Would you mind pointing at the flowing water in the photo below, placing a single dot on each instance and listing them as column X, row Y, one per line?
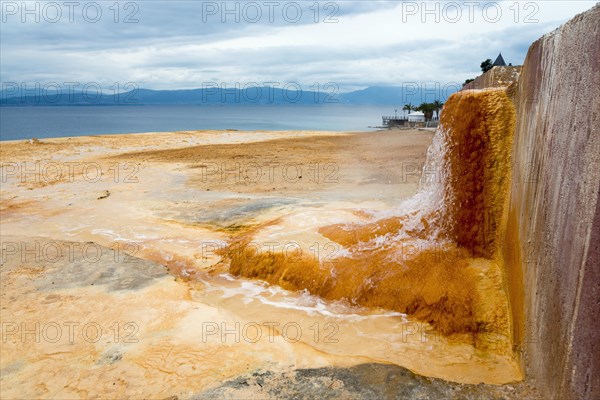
column 435, row 257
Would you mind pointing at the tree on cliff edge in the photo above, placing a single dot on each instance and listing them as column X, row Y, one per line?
column 486, row 65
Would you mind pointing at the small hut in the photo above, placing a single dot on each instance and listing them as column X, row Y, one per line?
column 416, row 116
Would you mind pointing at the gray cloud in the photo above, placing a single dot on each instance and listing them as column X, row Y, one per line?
column 175, row 44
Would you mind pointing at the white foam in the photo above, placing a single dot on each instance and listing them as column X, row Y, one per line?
column 303, row 301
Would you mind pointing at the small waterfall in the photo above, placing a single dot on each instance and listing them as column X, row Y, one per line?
column 434, row 257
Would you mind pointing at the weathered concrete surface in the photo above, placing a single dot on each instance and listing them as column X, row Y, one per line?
column 554, row 211
column 495, row 77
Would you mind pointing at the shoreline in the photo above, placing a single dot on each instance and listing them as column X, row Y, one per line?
column 191, row 132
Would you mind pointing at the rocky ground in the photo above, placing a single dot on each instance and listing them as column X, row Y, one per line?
column 94, row 296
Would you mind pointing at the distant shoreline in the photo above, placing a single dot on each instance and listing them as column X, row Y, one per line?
column 27, row 122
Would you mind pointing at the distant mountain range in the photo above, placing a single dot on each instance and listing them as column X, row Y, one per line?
column 374, row 95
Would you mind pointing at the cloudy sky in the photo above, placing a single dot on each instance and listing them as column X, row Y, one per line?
column 182, row 44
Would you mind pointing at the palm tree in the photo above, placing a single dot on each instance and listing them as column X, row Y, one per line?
column 427, row 109
column 408, row 107
column 437, row 106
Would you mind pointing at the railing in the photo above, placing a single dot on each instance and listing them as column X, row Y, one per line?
column 393, row 121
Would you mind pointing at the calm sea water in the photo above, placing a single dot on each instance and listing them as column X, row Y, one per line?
column 59, row 121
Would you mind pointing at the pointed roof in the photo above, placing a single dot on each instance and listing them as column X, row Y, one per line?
column 499, row 61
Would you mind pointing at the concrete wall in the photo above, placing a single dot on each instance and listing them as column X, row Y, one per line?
column 495, row 77
column 554, row 213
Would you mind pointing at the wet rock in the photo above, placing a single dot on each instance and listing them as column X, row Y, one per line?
column 56, row 265
column 365, row 381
